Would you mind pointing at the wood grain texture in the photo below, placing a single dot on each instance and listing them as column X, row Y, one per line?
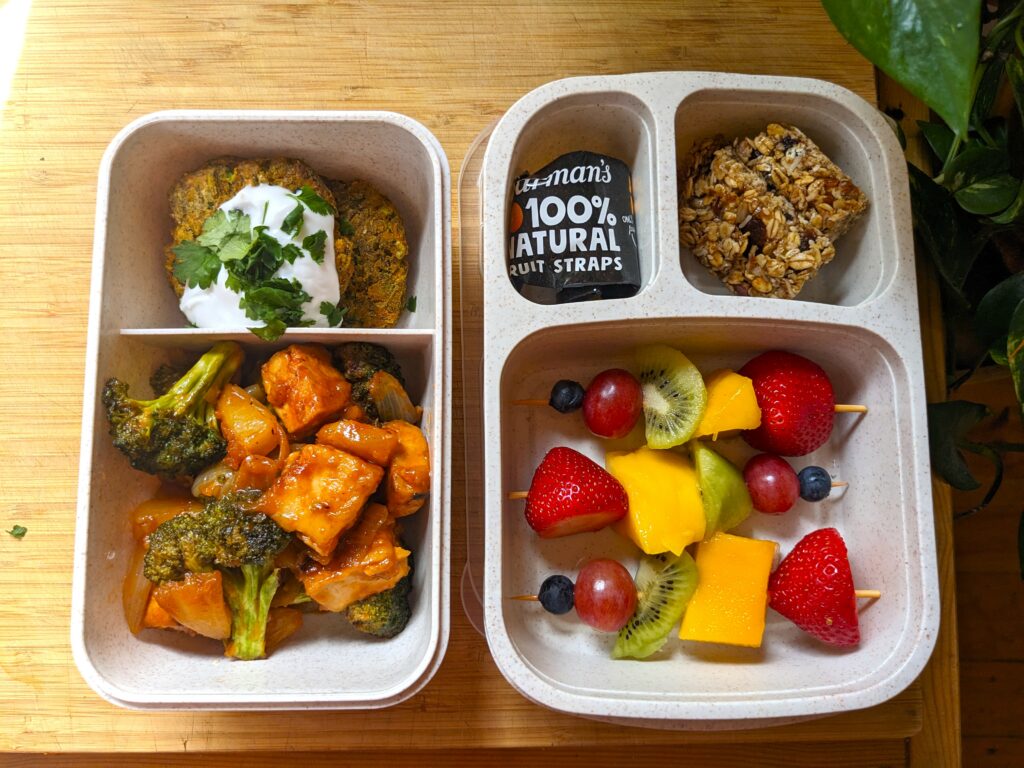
column 990, row 592
column 88, row 68
column 844, row 755
column 938, row 743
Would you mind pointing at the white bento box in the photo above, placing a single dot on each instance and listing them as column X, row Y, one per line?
column 134, row 324
column 857, row 318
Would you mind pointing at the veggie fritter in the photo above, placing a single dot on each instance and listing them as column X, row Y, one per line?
column 376, row 294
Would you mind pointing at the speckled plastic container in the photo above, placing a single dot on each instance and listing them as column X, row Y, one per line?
column 134, row 324
column 857, row 318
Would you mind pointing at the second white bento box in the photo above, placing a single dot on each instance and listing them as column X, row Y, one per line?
column 857, row 318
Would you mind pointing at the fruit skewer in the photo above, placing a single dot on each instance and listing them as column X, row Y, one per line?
column 520, row 495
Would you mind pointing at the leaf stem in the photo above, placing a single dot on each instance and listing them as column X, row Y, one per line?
column 963, row 378
column 997, row 462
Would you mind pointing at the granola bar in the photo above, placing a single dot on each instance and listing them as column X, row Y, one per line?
column 753, row 238
column 793, row 165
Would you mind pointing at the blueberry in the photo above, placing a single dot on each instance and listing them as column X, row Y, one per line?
column 566, row 396
column 556, row 594
column 815, row 484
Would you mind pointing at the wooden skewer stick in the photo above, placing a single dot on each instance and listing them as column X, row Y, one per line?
column 840, row 484
column 842, row 408
column 866, row 594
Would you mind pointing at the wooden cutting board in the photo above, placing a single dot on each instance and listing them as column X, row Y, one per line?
column 88, row 68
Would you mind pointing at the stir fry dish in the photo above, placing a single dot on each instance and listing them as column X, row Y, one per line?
column 284, row 494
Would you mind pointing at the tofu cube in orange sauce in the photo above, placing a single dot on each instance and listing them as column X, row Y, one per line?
column 304, row 388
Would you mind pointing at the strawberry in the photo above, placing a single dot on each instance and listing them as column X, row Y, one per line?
column 796, row 400
column 813, row 588
column 572, row 494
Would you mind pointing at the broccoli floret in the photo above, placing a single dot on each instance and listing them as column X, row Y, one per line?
column 176, row 435
column 358, row 361
column 166, row 376
column 384, row 614
column 226, row 535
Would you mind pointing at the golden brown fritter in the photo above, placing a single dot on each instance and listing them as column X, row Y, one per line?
column 376, row 294
column 198, row 195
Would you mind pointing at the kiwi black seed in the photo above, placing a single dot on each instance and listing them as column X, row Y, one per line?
column 674, row 396
column 665, row 583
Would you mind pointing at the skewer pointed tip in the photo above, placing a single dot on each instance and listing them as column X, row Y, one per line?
column 845, row 408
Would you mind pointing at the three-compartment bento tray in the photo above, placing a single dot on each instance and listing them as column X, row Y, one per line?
column 857, row 318
column 135, row 323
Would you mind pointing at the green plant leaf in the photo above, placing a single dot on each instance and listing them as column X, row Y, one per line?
column 996, row 308
column 897, row 128
column 948, row 425
column 988, row 88
column 1015, row 74
column 939, row 138
column 988, row 196
column 974, row 162
column 929, row 46
column 1015, row 212
column 1015, row 353
column 950, row 237
column 998, row 352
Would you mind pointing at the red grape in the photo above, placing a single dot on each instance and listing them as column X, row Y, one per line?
column 772, row 483
column 612, row 403
column 605, row 595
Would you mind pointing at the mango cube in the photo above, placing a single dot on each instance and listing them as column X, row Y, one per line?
column 732, row 591
column 732, row 405
column 665, row 509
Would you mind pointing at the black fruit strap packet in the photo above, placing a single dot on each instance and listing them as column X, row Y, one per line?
column 572, row 231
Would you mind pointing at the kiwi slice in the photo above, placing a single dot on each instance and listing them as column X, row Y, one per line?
column 726, row 499
column 664, row 584
column 674, row 395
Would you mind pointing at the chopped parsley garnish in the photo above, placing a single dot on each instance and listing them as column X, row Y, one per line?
column 278, row 303
column 293, row 221
column 315, row 245
column 411, row 304
column 18, row 531
column 308, row 196
column 195, row 265
column 334, row 314
column 291, row 252
column 250, row 257
column 345, row 227
column 222, row 226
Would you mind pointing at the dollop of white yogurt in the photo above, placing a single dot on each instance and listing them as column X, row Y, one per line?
column 266, row 204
